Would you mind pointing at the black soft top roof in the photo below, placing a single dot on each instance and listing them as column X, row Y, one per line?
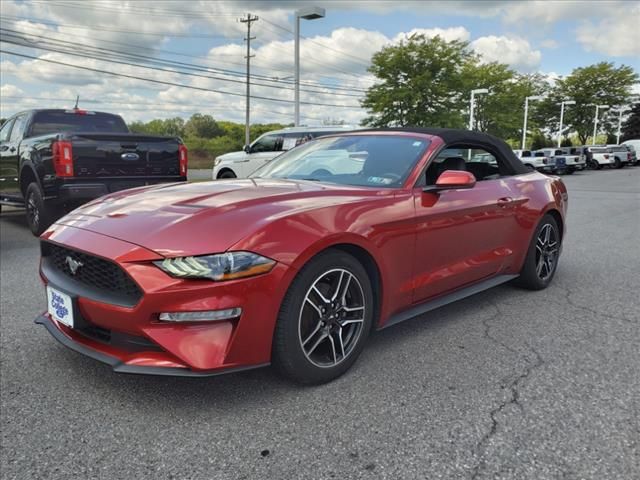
column 454, row 137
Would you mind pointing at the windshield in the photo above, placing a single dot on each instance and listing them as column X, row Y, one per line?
column 56, row 122
column 360, row 160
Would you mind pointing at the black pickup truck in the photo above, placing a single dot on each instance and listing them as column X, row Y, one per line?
column 51, row 161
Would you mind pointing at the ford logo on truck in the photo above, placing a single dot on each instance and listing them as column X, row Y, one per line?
column 130, row 156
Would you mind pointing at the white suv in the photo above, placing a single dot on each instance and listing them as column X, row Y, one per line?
column 267, row 147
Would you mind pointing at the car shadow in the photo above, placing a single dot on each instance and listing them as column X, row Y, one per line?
column 228, row 391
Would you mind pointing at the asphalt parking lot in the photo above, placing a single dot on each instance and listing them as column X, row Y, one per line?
column 505, row 384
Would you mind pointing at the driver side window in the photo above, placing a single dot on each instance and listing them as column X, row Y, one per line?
column 483, row 164
column 6, row 128
column 268, row 143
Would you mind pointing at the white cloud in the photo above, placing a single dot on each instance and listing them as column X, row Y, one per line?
column 615, row 35
column 514, row 51
column 448, row 34
column 549, row 43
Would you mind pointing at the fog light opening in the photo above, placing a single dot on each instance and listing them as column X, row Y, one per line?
column 203, row 316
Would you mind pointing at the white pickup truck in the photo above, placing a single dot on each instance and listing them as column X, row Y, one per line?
column 536, row 160
column 565, row 161
column 621, row 155
column 598, row 157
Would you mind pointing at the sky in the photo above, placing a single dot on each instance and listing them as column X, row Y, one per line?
column 551, row 37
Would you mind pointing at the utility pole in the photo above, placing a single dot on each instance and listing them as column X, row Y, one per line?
column 248, row 20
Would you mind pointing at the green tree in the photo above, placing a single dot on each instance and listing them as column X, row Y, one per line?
column 540, row 140
column 420, row 82
column 501, row 112
column 203, row 126
column 631, row 126
column 598, row 84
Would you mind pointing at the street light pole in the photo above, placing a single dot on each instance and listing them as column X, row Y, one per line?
column 619, row 125
column 526, row 113
column 595, row 122
column 564, row 102
column 473, row 104
column 309, row 13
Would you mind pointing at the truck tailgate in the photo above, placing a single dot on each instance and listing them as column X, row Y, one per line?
column 124, row 155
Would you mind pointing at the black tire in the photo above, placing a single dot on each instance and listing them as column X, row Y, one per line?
column 618, row 162
column 40, row 215
column 569, row 171
column 299, row 312
column 534, row 278
column 227, row 174
column 595, row 165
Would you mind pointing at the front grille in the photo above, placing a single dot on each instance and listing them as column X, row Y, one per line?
column 98, row 274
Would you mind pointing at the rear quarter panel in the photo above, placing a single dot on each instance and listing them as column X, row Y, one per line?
column 536, row 194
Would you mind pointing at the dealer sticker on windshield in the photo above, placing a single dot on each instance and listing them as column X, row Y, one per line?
column 59, row 306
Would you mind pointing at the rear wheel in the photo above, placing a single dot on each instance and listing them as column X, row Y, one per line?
column 40, row 215
column 541, row 261
column 618, row 163
column 324, row 319
column 227, row 174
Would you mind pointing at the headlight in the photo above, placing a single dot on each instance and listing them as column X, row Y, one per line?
column 217, row 161
column 224, row 266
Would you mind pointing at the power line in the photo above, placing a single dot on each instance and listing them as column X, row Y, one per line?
column 343, row 87
column 110, row 57
column 163, row 82
column 154, row 106
column 146, row 11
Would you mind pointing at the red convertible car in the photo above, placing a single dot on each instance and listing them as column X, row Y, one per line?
column 296, row 265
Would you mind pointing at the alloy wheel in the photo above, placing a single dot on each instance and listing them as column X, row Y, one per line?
column 331, row 318
column 33, row 212
column 547, row 249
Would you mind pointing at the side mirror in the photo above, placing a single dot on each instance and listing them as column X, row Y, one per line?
column 247, row 148
column 452, row 180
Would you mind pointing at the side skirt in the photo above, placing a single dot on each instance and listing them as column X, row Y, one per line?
column 447, row 299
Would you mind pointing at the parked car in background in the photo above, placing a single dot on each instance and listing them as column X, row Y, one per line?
column 564, row 162
column 621, row 155
column 535, row 160
column 634, row 148
column 267, row 147
column 598, row 156
column 575, row 160
column 52, row 161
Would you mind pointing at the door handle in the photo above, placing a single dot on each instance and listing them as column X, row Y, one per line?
column 505, row 201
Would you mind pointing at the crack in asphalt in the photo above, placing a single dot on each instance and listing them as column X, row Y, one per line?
column 567, row 296
column 512, row 386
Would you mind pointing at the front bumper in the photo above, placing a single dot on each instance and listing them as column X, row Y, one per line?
column 98, row 352
column 157, row 347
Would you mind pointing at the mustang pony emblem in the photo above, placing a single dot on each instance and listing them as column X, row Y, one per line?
column 73, row 264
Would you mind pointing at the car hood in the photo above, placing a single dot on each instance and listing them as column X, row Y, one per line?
column 205, row 217
column 231, row 156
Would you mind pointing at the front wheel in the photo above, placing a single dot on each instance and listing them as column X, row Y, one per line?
column 541, row 261
column 39, row 214
column 324, row 319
